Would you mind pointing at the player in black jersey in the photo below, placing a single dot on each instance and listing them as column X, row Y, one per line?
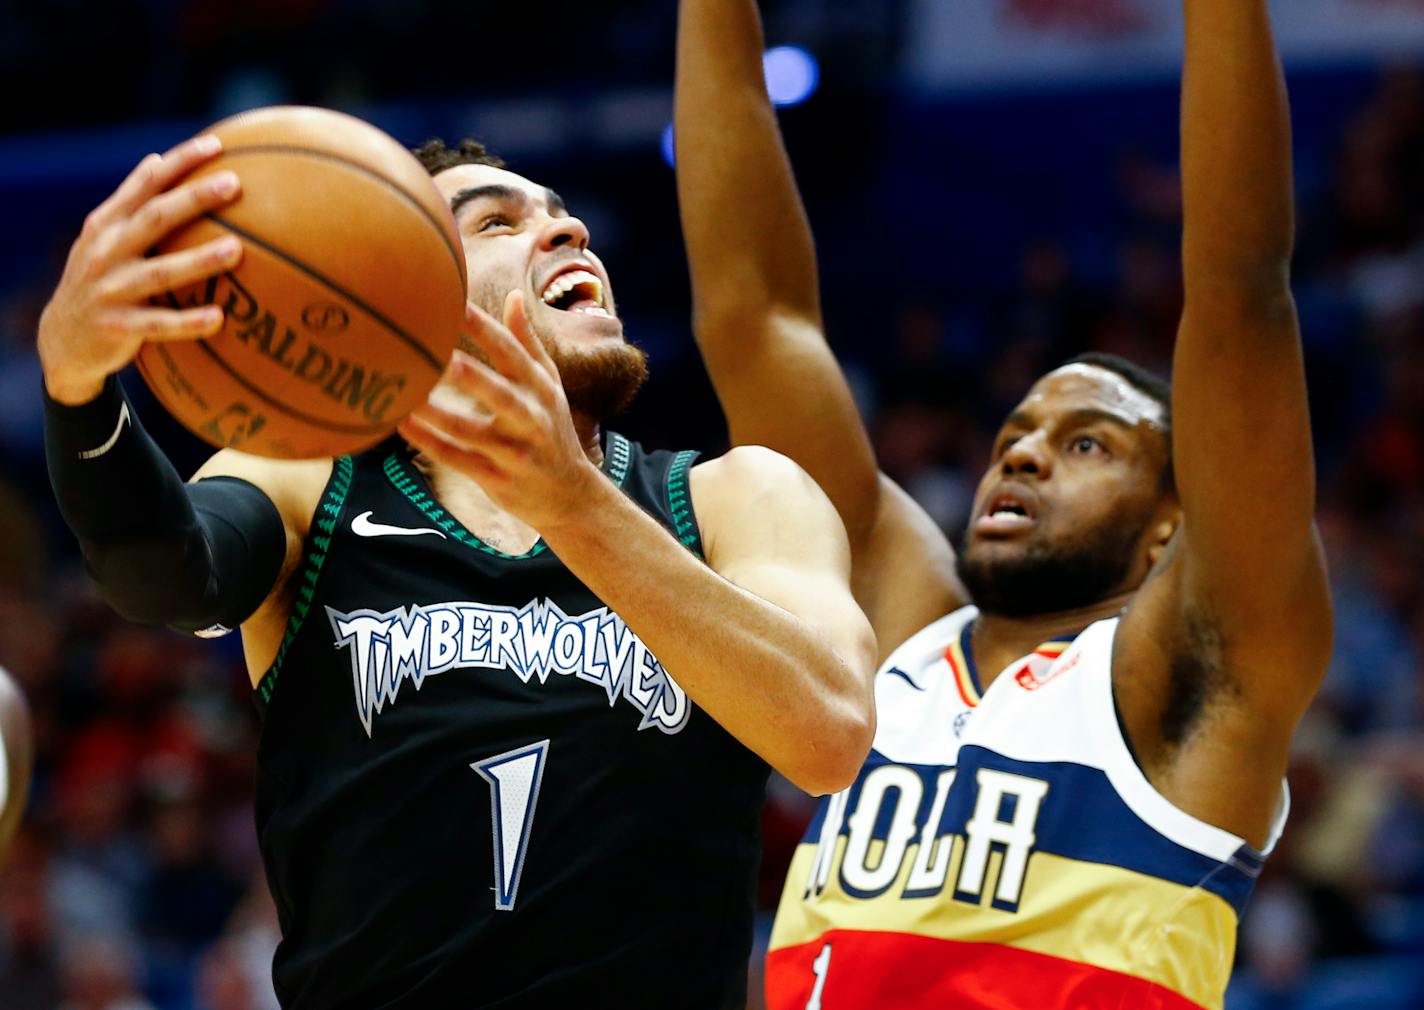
column 520, row 679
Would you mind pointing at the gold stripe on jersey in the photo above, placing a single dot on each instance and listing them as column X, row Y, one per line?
column 1176, row 936
column 959, row 665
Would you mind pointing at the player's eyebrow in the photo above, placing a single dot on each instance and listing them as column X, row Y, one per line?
column 512, row 194
column 1091, row 415
column 1078, row 415
column 496, row 191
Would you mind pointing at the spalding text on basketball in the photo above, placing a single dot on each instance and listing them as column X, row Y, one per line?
column 357, row 387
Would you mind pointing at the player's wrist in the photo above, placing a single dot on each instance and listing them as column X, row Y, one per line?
column 81, row 413
column 589, row 498
column 61, row 382
column 73, row 392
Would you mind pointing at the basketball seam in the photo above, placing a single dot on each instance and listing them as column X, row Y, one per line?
column 371, row 311
column 455, row 254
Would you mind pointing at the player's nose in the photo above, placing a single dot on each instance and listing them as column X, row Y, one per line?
column 564, row 231
column 1028, row 456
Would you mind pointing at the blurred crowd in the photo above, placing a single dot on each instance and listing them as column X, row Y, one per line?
column 136, row 884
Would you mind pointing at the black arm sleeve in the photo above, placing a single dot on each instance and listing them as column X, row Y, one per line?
column 198, row 557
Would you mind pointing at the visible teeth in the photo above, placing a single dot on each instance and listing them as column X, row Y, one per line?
column 1007, row 513
column 594, row 310
column 564, row 283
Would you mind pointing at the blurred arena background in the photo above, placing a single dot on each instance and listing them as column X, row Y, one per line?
column 993, row 187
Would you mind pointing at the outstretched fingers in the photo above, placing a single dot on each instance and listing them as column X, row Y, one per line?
column 447, row 449
column 173, row 209
column 140, row 279
column 152, row 176
column 510, row 346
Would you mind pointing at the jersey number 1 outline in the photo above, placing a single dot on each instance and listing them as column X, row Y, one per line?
column 821, row 967
column 514, row 778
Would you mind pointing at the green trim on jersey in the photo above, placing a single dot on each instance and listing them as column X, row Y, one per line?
column 323, row 526
column 398, row 475
column 679, row 504
column 620, row 455
column 615, row 464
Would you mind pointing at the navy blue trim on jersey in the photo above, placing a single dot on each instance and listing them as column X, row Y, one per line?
column 966, row 648
column 1096, row 826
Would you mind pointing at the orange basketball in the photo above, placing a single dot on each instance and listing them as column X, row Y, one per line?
column 347, row 302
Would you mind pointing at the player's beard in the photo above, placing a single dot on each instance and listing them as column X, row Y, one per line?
column 599, row 382
column 1051, row 578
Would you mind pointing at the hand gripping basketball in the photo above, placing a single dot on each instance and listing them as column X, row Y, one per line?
column 99, row 316
column 506, row 423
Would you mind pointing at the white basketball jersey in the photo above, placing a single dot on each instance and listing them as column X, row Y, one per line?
column 1004, row 850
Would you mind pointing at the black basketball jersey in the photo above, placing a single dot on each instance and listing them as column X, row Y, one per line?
column 477, row 788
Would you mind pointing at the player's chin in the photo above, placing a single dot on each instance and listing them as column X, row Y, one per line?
column 993, row 550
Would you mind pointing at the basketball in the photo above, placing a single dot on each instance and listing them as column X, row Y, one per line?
column 345, row 307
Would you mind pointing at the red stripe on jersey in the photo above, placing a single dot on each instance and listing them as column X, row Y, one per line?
column 902, row 971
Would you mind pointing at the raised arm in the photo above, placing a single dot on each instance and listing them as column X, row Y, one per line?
column 757, row 316
column 200, row 557
column 765, row 637
column 1245, row 600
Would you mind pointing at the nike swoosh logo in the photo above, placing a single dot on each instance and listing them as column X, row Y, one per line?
column 363, row 527
column 113, row 439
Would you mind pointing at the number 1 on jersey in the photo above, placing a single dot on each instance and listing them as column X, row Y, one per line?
column 513, row 778
column 821, row 966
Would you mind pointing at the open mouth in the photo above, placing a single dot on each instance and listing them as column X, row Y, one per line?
column 1007, row 506
column 1005, row 515
column 576, row 291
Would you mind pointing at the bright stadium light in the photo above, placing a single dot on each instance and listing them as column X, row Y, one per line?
column 668, row 155
column 791, row 74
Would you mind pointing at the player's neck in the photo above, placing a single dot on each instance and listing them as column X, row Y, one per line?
column 1000, row 639
column 590, row 436
column 463, row 498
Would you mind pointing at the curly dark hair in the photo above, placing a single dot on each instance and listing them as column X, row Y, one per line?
column 436, row 157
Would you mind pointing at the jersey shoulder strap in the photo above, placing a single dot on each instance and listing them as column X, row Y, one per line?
column 658, row 481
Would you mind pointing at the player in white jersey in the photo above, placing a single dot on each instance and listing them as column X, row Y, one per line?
column 1032, row 831
column 16, row 758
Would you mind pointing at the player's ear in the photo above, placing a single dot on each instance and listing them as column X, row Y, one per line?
column 1162, row 532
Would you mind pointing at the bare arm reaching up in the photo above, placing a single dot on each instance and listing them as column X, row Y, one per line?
column 1237, row 626
column 757, row 317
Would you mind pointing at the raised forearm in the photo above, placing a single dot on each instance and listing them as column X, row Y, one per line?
column 1250, row 563
column 162, row 552
column 756, row 299
column 1236, row 157
column 749, row 244
column 773, row 681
